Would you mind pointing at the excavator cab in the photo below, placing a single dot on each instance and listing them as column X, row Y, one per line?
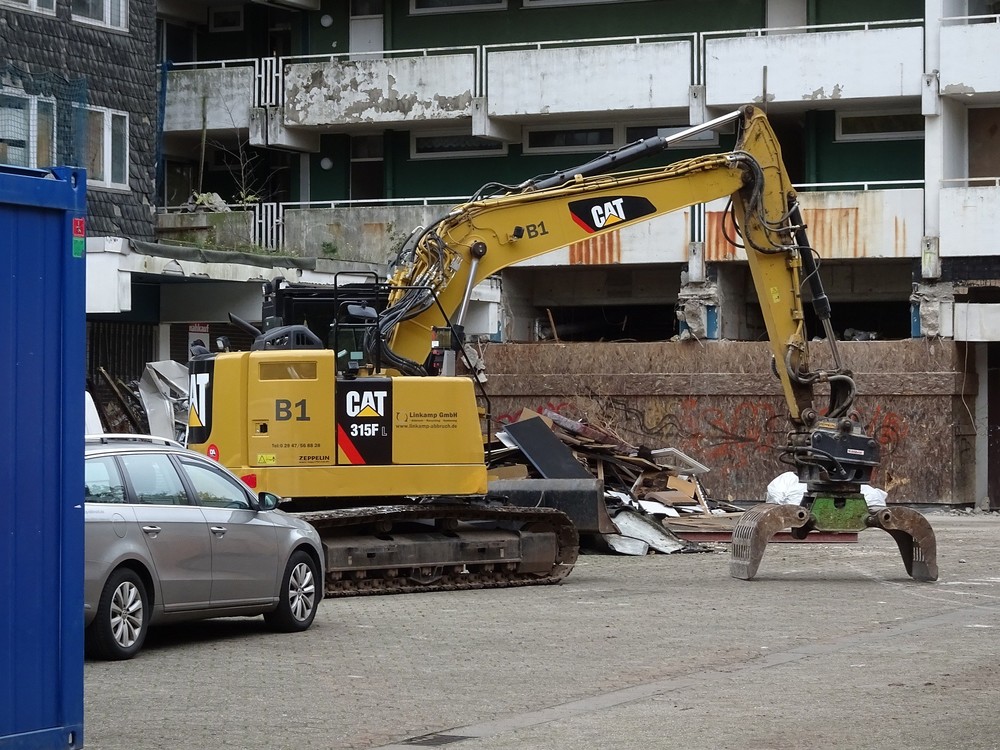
column 347, row 336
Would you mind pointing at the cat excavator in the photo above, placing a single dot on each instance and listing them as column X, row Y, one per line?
column 355, row 426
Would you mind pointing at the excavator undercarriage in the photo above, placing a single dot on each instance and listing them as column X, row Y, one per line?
column 397, row 549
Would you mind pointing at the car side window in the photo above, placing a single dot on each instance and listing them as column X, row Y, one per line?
column 154, row 479
column 102, row 482
column 213, row 488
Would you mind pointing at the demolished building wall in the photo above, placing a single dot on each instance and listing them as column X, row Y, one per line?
column 718, row 402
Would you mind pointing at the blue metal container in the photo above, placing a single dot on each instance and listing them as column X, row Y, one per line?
column 42, row 384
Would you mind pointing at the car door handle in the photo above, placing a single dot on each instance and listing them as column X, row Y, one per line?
column 151, row 530
column 218, row 530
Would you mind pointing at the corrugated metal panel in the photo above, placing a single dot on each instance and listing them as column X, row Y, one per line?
column 602, row 250
column 717, row 247
column 41, row 457
column 844, row 224
column 835, row 231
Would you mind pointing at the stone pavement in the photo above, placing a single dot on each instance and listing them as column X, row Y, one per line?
column 831, row 645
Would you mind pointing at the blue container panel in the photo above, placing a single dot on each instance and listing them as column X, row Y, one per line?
column 41, row 458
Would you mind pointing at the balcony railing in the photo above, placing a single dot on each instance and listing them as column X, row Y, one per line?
column 878, row 59
column 968, row 45
column 869, row 219
column 649, row 72
column 968, row 208
column 873, row 59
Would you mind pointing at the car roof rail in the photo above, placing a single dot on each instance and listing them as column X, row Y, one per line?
column 127, row 437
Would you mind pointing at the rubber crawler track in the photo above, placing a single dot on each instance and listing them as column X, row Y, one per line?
column 341, row 521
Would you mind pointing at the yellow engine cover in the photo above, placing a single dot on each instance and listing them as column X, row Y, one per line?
column 285, row 418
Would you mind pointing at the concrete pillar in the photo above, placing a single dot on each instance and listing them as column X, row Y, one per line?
column 982, row 428
column 934, row 304
column 945, row 134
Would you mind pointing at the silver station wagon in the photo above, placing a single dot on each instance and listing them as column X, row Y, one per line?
column 172, row 535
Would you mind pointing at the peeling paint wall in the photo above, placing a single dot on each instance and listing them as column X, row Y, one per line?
column 224, row 95
column 814, row 68
column 968, row 59
column 367, row 235
column 572, row 79
column 717, row 402
column 392, row 90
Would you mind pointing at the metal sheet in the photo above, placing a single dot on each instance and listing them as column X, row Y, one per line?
column 41, row 457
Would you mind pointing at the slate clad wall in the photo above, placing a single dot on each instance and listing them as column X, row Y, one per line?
column 718, row 402
column 115, row 70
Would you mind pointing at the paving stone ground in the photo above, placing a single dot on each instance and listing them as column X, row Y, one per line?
column 830, row 645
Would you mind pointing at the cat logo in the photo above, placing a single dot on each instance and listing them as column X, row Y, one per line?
column 595, row 214
column 200, row 401
column 366, row 403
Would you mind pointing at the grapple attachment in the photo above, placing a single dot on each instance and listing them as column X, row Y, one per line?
column 912, row 532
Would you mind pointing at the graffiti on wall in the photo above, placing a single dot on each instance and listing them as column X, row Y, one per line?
column 563, row 407
column 739, row 438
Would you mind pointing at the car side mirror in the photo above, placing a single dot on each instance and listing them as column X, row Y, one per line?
column 267, row 501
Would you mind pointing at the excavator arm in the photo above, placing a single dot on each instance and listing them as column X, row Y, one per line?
column 477, row 239
column 437, row 268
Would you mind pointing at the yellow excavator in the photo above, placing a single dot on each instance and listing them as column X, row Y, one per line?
column 355, row 427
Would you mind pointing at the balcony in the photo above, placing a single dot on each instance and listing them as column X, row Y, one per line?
column 651, row 74
column 968, row 56
column 212, row 95
column 874, row 222
column 968, row 217
column 381, row 88
column 846, row 221
column 841, row 63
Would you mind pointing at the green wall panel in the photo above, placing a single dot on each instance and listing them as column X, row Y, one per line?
column 519, row 24
column 463, row 176
column 850, row 11
column 334, row 183
column 855, row 161
column 335, row 37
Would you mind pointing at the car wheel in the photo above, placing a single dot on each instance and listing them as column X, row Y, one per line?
column 301, row 591
column 122, row 620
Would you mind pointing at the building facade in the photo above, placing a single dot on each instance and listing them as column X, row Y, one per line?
column 329, row 129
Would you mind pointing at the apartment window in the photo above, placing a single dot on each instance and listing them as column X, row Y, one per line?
column 112, row 13
column 569, row 139
column 27, row 130
column 879, row 126
column 367, row 167
column 704, row 139
column 106, row 149
column 444, row 6
column 225, row 19
column 443, row 145
column 41, row 6
column 546, row 3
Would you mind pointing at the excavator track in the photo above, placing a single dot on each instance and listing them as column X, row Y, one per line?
column 398, row 549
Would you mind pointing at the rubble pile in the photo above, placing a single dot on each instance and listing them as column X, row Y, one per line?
column 649, row 494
